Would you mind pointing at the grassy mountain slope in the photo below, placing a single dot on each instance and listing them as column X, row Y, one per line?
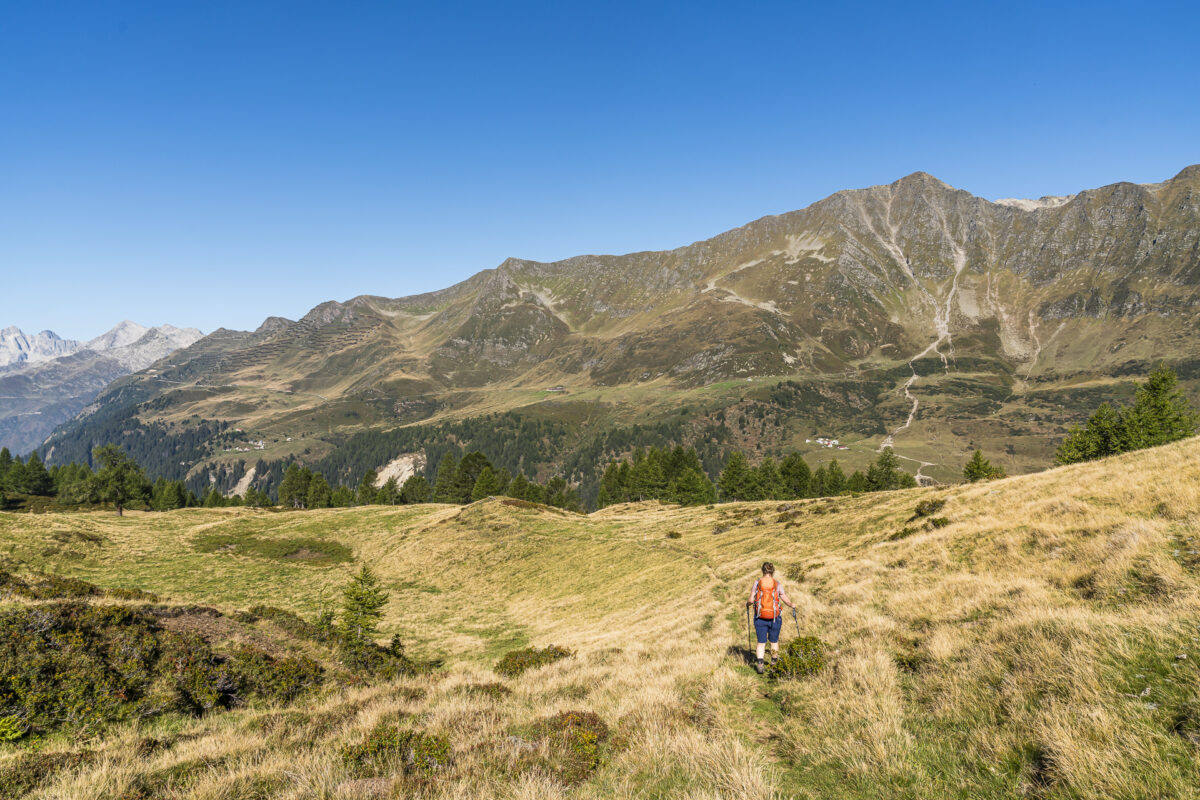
column 951, row 321
column 1043, row 642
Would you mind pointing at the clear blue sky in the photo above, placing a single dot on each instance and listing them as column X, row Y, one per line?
column 212, row 163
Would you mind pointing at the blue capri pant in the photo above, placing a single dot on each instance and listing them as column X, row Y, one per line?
column 767, row 629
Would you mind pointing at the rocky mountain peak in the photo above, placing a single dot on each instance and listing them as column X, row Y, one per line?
column 122, row 334
column 18, row 348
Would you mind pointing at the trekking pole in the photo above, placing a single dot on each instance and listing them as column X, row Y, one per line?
column 797, row 621
column 749, row 630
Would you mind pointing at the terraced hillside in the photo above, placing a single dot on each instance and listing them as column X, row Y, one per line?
column 912, row 314
column 1036, row 636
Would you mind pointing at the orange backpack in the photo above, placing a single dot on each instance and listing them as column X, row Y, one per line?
column 768, row 598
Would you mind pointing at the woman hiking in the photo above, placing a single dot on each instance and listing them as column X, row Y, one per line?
column 766, row 595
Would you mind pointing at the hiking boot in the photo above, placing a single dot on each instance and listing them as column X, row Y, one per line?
column 759, row 666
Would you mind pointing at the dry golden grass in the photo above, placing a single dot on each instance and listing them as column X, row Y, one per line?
column 1042, row 644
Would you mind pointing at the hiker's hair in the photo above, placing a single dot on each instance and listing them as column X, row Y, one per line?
column 768, row 568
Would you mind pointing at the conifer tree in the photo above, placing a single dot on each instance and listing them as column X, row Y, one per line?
column 293, row 490
column 885, row 474
column 1102, row 435
column 415, row 490
column 120, row 480
column 366, row 493
column 1160, row 413
column 769, row 483
column 488, row 484
column 15, row 477
column 363, row 601
column 6, row 461
column 835, row 479
column 647, row 478
column 980, row 469
column 611, row 490
column 320, row 495
column 518, row 487
column 692, row 488
column 469, row 470
column 37, row 479
column 447, row 477
column 797, row 477
column 736, row 481
column 819, row 479
column 389, row 493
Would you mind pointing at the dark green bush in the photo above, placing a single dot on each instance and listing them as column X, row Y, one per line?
column 132, row 594
column 674, row 535
column 73, row 665
column 903, row 533
column 46, row 587
column 927, row 508
column 517, row 661
column 389, row 748
column 58, row 587
column 281, row 679
column 939, row 522
column 800, row 658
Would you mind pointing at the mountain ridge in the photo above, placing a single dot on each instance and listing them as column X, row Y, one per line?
column 38, row 395
column 925, row 302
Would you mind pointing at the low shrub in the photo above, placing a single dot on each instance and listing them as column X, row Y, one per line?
column 46, row 587
column 280, row 679
column 674, row 535
column 903, row 533
column 68, row 664
column 12, row 728
column 22, row 775
column 801, row 658
column 939, row 522
column 389, row 748
column 516, row 662
column 132, row 594
column 927, row 508
column 576, row 741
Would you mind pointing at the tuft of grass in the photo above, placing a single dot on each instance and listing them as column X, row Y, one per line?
column 491, row 690
column 389, row 749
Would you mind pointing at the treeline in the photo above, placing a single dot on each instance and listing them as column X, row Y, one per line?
column 167, row 451
column 676, row 476
column 514, row 442
column 473, row 478
column 1159, row 414
column 117, row 479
